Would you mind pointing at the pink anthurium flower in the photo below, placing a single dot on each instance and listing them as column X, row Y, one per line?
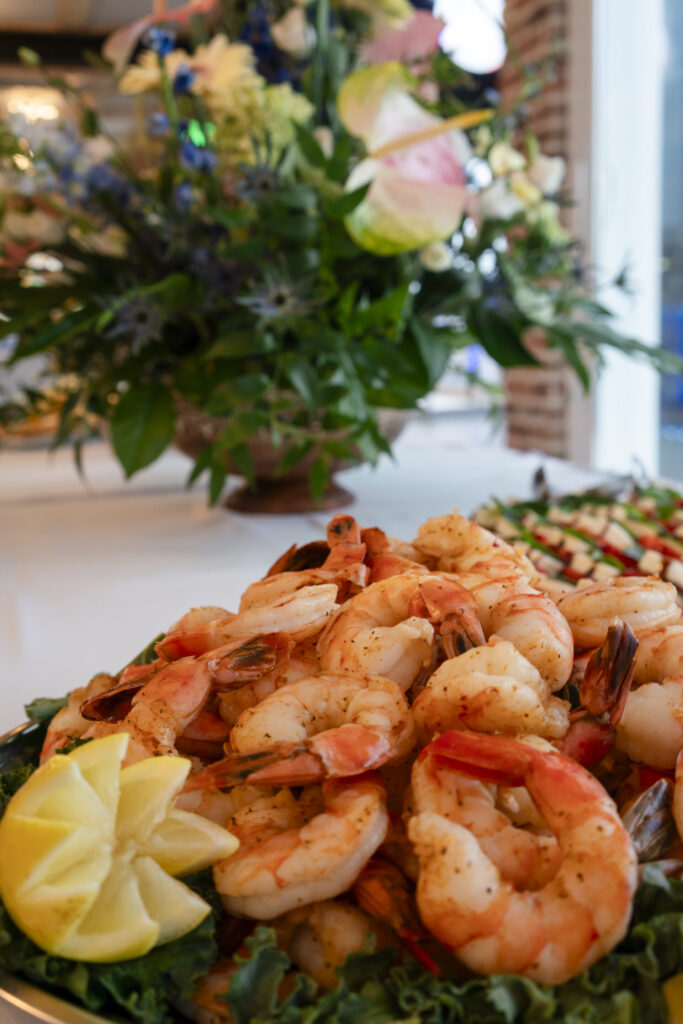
column 410, row 43
column 414, row 166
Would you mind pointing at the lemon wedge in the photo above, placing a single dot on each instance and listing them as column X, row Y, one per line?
column 88, row 851
column 673, row 993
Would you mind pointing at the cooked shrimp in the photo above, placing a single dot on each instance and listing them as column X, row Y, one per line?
column 207, row 1004
column 161, row 709
column 492, row 689
column 642, row 602
column 293, row 853
column 388, row 556
column 549, row 934
column 651, row 727
column 298, row 615
column 660, row 653
column 677, row 804
column 320, row 937
column 524, row 858
column 511, row 609
column 327, row 726
column 459, row 545
column 69, row 724
column 604, row 690
column 301, row 661
column 388, row 629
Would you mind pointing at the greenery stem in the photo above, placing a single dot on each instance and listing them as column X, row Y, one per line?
column 322, row 24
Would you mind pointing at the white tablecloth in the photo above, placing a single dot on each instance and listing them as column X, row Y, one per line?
column 90, row 572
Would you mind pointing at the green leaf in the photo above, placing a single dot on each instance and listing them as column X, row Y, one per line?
column 310, row 147
column 294, row 454
column 303, row 379
column 337, row 209
column 29, row 58
column 572, row 354
column 434, row 345
column 230, row 218
column 44, row 709
column 318, row 476
column 142, row 426
column 295, row 227
column 217, row 478
column 69, row 325
column 240, row 344
column 500, row 339
column 253, row 991
column 241, row 456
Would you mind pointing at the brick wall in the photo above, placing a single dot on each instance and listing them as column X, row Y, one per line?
column 538, row 399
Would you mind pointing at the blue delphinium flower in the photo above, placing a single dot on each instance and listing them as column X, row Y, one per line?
column 197, row 158
column 183, row 196
column 157, row 125
column 161, row 40
column 183, row 79
column 104, row 178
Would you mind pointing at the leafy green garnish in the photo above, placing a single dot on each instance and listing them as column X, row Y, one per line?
column 622, row 988
column 44, row 709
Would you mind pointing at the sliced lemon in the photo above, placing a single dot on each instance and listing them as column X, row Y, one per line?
column 87, row 851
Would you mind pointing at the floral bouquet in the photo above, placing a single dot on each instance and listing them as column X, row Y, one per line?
column 311, row 218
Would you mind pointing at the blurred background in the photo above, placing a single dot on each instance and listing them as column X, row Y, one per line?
column 613, row 108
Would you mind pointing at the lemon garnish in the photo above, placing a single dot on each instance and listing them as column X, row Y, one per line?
column 673, row 993
column 88, row 851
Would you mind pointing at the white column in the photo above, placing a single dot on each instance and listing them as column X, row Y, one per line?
column 626, row 148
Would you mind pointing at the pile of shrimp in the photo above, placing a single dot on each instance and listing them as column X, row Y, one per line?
column 420, row 742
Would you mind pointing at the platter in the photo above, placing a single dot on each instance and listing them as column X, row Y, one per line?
column 422, row 982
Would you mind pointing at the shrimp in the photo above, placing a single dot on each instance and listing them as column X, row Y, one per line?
column 524, row 858
column 492, row 688
column 343, row 566
column 511, row 609
column 457, row 544
column 301, row 661
column 389, row 628
column 161, row 709
column 69, row 724
column 554, row 932
column 320, row 937
column 660, row 653
column 327, row 726
column 207, row 1004
column 642, row 602
column 651, row 727
column 294, row 852
column 603, row 693
column 388, row 556
column 299, row 615
column 677, row 803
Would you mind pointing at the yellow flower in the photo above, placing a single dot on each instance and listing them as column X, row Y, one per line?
column 221, row 69
column 525, row 190
column 146, row 74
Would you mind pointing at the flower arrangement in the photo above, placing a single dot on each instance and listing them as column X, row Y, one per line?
column 311, row 222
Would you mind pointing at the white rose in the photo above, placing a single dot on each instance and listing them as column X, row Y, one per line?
column 503, row 159
column 36, row 226
column 547, row 172
column 437, row 257
column 293, row 34
column 497, row 202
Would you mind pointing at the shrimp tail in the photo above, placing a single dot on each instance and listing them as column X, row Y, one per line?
column 236, row 768
column 248, row 662
column 453, row 607
column 497, row 759
column 603, row 692
column 381, row 890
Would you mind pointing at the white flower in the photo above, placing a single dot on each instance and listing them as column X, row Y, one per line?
column 497, row 202
column 503, row 159
column 437, row 257
column 547, row 172
column 293, row 34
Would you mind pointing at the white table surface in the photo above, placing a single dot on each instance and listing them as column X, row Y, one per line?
column 89, row 572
